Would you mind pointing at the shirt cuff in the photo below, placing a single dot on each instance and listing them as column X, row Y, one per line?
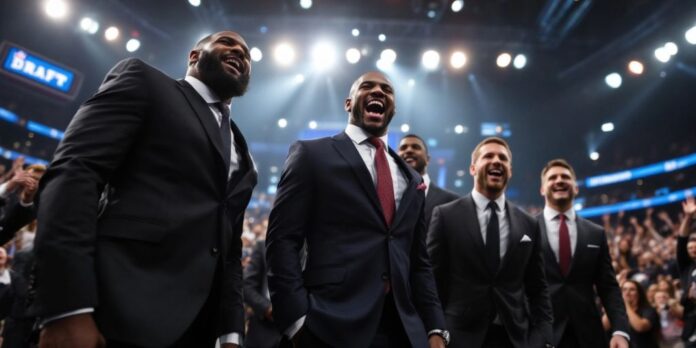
column 65, row 315
column 621, row 333
column 295, row 327
column 233, row 338
column 26, row 205
column 3, row 190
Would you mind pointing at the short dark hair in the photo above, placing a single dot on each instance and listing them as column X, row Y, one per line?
column 412, row 135
column 557, row 162
column 202, row 41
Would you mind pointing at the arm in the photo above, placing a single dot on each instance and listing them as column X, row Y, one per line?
column 638, row 323
column 254, row 275
column 609, row 291
column 437, row 248
column 683, row 259
column 16, row 216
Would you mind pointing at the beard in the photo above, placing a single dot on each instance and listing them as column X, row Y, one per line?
column 357, row 117
column 220, row 80
column 419, row 166
column 495, row 187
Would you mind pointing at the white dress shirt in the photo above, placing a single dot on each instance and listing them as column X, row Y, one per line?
column 484, row 215
column 5, row 277
column 553, row 225
column 426, row 181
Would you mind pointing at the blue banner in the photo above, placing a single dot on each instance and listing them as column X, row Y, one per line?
column 636, row 204
column 641, row 172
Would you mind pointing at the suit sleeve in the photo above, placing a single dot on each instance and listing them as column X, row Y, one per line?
column 437, row 249
column 423, row 282
column 16, row 216
column 96, row 142
column 286, row 236
column 254, row 275
column 536, row 288
column 608, row 289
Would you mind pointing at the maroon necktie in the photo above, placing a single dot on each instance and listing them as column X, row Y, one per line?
column 563, row 246
column 385, row 188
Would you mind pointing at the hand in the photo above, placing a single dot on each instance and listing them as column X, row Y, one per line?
column 232, row 345
column 20, row 179
column 436, row 341
column 75, row 331
column 618, row 341
column 689, row 206
column 268, row 315
column 29, row 191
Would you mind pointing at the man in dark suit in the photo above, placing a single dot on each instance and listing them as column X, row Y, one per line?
column 686, row 261
column 577, row 262
column 412, row 150
column 158, row 262
column 261, row 332
column 367, row 280
column 487, row 261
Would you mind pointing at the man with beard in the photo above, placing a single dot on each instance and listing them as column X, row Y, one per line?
column 487, row 261
column 156, row 262
column 577, row 263
column 357, row 210
column 412, row 150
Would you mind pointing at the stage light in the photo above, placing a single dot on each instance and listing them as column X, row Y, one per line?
column 298, row 79
column 111, row 33
column 671, row 48
column 430, row 60
column 458, row 60
column 662, row 54
column 635, row 67
column 284, row 54
column 195, row 3
column 355, row 32
column 607, row 127
column 353, row 55
column 457, row 5
column 89, row 25
column 388, row 56
column 312, row 125
column 324, row 55
column 411, row 82
column 594, row 155
column 132, row 45
column 256, row 54
column 690, row 35
column 306, row 4
column 613, row 80
column 405, row 128
column 459, row 129
column 431, row 14
column 56, row 9
column 503, row 60
column 383, row 65
column 382, row 37
column 520, row 61
column 282, row 123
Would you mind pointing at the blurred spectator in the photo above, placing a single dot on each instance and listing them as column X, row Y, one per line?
column 670, row 313
column 643, row 319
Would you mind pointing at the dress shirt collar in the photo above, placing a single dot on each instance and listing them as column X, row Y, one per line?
column 481, row 201
column 550, row 214
column 358, row 135
column 426, row 180
column 206, row 93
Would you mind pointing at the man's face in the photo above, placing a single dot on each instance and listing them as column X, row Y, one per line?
column 491, row 169
column 558, row 186
column 413, row 152
column 223, row 64
column 371, row 103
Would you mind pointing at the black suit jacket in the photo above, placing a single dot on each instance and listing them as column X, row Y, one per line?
column 14, row 217
column 436, row 196
column 327, row 199
column 261, row 333
column 471, row 296
column 171, row 218
column 573, row 296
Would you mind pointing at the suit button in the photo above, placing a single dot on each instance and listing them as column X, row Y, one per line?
column 214, row 251
column 385, row 276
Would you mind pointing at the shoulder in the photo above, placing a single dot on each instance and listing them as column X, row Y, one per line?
column 589, row 226
column 456, row 204
column 444, row 192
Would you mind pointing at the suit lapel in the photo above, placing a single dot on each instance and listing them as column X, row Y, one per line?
column 515, row 234
column 344, row 145
column 247, row 177
column 409, row 192
column 469, row 219
column 580, row 244
column 550, row 257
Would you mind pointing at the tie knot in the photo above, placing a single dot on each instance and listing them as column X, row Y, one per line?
column 562, row 217
column 224, row 108
column 376, row 142
column 492, row 205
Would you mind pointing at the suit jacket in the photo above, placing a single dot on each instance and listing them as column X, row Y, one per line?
column 472, row 296
column 261, row 333
column 171, row 219
column 14, row 218
column 436, row 196
column 327, row 198
column 687, row 271
column 573, row 296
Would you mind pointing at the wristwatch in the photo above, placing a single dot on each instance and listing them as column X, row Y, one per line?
column 442, row 333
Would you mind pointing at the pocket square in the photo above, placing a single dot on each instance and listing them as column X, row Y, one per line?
column 525, row 239
column 421, row 187
column 593, row 246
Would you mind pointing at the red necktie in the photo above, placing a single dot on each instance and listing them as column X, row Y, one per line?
column 563, row 246
column 385, row 188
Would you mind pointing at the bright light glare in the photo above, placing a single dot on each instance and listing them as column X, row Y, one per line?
column 298, row 79
column 324, row 55
column 520, row 61
column 411, row 82
column 284, row 54
column 382, row 37
column 355, row 32
column 457, row 5
column 353, row 55
column 405, row 128
column 388, row 56
column 594, row 155
column 504, row 60
column 672, row 48
column 132, row 45
column 459, row 129
column 306, row 4
column 690, row 35
column 256, row 54
column 195, row 3
column 607, row 127
column 613, row 80
column 89, row 25
column 635, row 67
column 282, row 123
column 430, row 60
column 662, row 55
column 56, row 9
column 312, row 125
column 458, row 60
column 111, row 33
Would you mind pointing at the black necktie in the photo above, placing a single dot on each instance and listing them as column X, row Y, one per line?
column 225, row 132
column 493, row 239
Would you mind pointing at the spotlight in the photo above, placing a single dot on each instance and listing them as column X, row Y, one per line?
column 298, row 79
column 504, row 60
column 324, row 55
column 431, row 14
column 355, row 32
column 520, row 61
column 411, row 82
column 89, row 25
column 382, row 37
column 635, row 67
column 690, row 35
column 459, row 129
column 353, row 55
column 607, row 127
column 388, row 56
column 132, row 45
column 594, row 155
column 430, row 60
column 282, row 123
column 312, row 124
column 284, row 54
column 256, row 54
column 383, row 65
column 662, row 54
column 195, row 3
column 56, row 9
column 671, row 48
column 458, row 60
column 457, row 5
column 306, row 4
column 405, row 128
column 111, row 33
column 613, row 80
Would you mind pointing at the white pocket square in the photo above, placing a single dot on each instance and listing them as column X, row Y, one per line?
column 593, row 246
column 525, row 239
